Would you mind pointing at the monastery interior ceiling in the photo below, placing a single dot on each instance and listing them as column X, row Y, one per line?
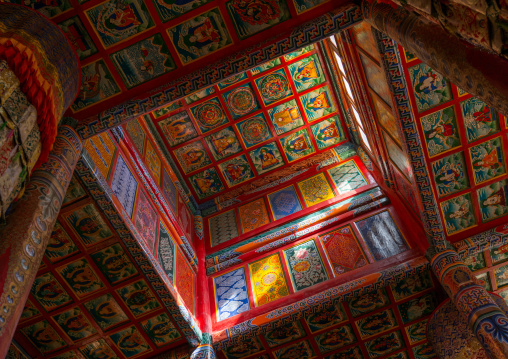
column 277, row 212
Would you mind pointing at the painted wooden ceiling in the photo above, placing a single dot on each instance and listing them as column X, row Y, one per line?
column 389, row 323
column 129, row 47
column 465, row 144
column 256, row 122
column 464, row 141
column 90, row 299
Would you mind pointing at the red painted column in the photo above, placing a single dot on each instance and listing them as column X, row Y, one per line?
column 26, row 235
column 202, row 294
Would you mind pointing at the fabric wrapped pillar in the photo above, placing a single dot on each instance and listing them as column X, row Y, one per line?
column 45, row 64
column 25, row 237
column 204, row 351
column 480, row 73
column 486, row 318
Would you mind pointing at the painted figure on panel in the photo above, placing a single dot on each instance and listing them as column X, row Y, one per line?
column 193, row 156
column 223, row 144
column 117, row 20
column 81, row 277
column 245, row 348
column 178, row 128
column 458, row 213
column 139, row 298
column 430, row 88
column 143, row 61
column 207, row 183
column 318, row 102
column 307, row 72
column 43, row 336
column 106, row 311
column 430, row 82
column 286, row 116
column 440, row 130
column 122, row 17
column 330, row 315
column 252, row 16
column 385, row 344
column 497, row 198
column 267, row 158
column 90, row 84
column 49, row 292
column 200, row 36
column 493, row 200
column 417, row 308
column 97, row 84
column 161, row 330
column 98, row 349
column 295, row 351
column 334, row 337
column 89, row 225
column 450, row 174
column 488, row 160
column 257, row 11
column 368, row 302
column 114, row 263
column 236, row 170
column 60, row 244
column 297, row 144
column 75, row 324
column 327, row 133
column 479, row 118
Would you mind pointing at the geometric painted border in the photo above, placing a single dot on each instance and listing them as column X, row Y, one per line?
column 394, row 72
